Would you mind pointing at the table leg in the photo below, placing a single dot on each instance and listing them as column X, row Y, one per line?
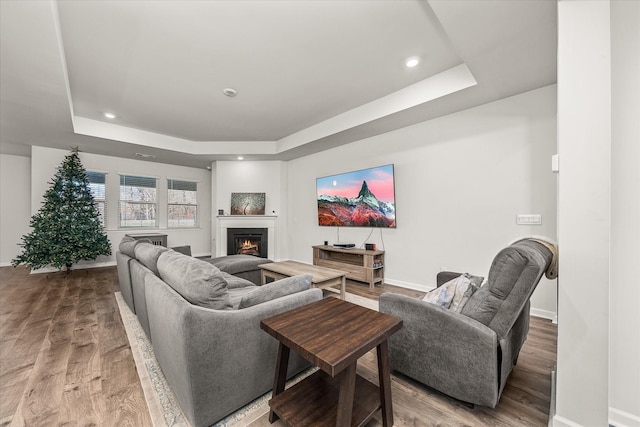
column 263, row 278
column 345, row 400
column 280, row 377
column 343, row 288
column 384, row 378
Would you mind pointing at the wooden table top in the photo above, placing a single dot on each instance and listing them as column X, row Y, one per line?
column 294, row 268
column 331, row 333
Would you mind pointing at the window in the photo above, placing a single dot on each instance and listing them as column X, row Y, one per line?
column 98, row 187
column 182, row 204
column 138, row 201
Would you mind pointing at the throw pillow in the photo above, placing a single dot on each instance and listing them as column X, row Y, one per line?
column 148, row 254
column 277, row 289
column 476, row 280
column 127, row 245
column 197, row 281
column 454, row 294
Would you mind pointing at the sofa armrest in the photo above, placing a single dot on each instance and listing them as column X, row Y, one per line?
column 444, row 349
column 444, row 276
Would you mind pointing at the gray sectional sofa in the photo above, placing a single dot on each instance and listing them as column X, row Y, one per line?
column 204, row 326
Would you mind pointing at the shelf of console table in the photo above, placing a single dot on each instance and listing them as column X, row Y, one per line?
column 314, row 401
column 361, row 264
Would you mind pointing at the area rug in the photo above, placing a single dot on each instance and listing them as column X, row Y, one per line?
column 163, row 406
column 362, row 301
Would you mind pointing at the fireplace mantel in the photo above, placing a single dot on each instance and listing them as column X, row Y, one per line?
column 245, row 221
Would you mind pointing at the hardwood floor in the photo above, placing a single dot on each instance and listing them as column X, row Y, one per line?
column 65, row 357
column 65, row 360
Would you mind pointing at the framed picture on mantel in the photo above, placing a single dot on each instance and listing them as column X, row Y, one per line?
column 247, row 203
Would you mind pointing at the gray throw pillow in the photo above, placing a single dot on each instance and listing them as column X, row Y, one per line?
column 476, row 280
column 148, row 254
column 197, row 281
column 277, row 289
column 128, row 244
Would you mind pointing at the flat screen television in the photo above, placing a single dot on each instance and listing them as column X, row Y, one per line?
column 363, row 198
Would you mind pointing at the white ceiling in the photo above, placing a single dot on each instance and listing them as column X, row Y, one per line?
column 310, row 75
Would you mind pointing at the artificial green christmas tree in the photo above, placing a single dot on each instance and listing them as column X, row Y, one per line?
column 67, row 227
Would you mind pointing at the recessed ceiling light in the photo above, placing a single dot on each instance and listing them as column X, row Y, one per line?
column 109, row 115
column 230, row 92
column 240, row 158
column 412, row 62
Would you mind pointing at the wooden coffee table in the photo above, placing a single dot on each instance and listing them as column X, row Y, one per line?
column 322, row 277
column 332, row 334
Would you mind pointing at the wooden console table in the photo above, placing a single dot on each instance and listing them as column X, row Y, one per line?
column 334, row 395
column 362, row 265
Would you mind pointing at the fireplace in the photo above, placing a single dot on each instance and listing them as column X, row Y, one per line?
column 247, row 241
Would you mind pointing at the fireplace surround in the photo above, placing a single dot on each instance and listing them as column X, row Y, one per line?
column 224, row 222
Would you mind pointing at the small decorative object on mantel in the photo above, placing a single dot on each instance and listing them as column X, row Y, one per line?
column 247, row 203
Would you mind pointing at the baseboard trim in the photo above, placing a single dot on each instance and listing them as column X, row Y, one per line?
column 202, row 255
column 83, row 266
column 559, row 421
column 620, row 418
column 408, row 285
column 545, row 314
column 75, row 267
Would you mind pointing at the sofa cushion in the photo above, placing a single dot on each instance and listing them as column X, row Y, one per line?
column 234, row 282
column 197, row 281
column 127, row 245
column 236, row 294
column 234, row 264
column 454, row 294
column 277, row 289
column 148, row 253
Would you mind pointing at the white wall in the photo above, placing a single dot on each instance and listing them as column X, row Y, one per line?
column 15, row 205
column 45, row 161
column 253, row 177
column 460, row 182
column 624, row 294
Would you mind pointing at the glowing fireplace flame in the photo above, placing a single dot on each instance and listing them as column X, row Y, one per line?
column 247, row 244
column 249, row 247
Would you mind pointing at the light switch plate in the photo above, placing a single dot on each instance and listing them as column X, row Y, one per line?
column 555, row 163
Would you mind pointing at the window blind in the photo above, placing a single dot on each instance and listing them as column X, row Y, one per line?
column 138, row 201
column 182, row 207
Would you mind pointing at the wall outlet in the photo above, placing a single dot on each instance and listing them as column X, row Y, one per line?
column 529, row 219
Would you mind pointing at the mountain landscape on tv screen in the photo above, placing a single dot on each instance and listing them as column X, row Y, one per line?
column 363, row 210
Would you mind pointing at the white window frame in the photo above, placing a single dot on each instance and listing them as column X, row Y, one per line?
column 171, row 183
column 140, row 180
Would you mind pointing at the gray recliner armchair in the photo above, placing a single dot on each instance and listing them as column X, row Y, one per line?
column 469, row 354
